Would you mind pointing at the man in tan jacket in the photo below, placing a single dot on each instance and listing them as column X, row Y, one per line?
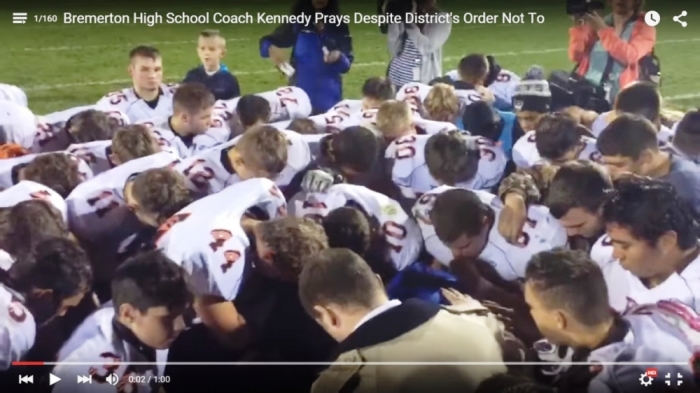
column 340, row 291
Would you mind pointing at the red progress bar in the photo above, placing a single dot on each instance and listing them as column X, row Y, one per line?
column 27, row 363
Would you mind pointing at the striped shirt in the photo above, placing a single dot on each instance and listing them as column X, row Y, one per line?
column 401, row 67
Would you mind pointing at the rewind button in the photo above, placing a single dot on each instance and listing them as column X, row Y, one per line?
column 26, row 379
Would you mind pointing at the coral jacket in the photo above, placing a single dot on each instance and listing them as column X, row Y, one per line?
column 641, row 42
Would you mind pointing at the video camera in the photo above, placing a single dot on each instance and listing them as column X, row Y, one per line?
column 580, row 7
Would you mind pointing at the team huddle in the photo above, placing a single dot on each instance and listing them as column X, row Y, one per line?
column 155, row 205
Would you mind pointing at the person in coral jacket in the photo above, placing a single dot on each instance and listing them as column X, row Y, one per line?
column 608, row 49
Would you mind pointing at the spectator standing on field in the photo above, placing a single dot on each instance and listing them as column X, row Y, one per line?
column 321, row 53
column 211, row 49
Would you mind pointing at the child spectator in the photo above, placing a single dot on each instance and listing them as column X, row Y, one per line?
column 211, row 48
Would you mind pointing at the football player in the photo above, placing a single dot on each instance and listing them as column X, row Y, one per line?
column 61, row 172
column 28, row 190
column 252, row 110
column 383, row 216
column 473, row 73
column 441, row 104
column 501, row 82
column 422, row 162
column 129, row 143
column 568, row 300
column 85, row 125
column 558, row 139
column 191, row 128
column 37, row 288
column 210, row 240
column 149, row 298
column 27, row 224
column 286, row 103
column 262, row 151
column 686, row 141
column 458, row 223
column 654, row 241
column 149, row 97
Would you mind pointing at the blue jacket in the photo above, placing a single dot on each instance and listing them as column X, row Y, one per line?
column 322, row 82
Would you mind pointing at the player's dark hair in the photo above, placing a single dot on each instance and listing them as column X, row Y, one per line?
column 134, row 141
column 90, row 125
column 293, row 240
column 649, row 208
column 303, row 126
column 252, row 109
column 29, row 223
column 569, row 280
column 578, row 184
column 348, row 227
column 161, row 191
column 58, row 171
column 379, row 88
column 150, row 279
column 458, row 212
column 338, row 276
column 627, row 136
column 451, row 159
column 640, row 98
column 264, row 148
column 556, row 134
column 57, row 264
column 687, row 136
column 144, row 51
column 192, row 97
column 342, row 148
column 473, row 68
column 306, row 7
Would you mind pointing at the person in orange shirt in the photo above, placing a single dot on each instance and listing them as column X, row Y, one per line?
column 608, row 49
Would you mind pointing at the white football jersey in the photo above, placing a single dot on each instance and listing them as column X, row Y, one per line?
column 217, row 134
column 414, row 93
column 504, row 85
column 410, row 172
column 13, row 93
column 207, row 240
column 542, row 232
column 286, row 103
column 50, row 135
column 665, row 134
column 624, row 288
column 210, row 171
column 18, row 124
column 95, row 154
column 96, row 208
column 28, row 190
column 17, row 328
column 348, row 106
column 97, row 350
column 135, row 108
column 10, row 168
column 665, row 335
column 402, row 234
column 430, row 127
column 525, row 152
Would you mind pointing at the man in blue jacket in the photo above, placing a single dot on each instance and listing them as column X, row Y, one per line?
column 320, row 55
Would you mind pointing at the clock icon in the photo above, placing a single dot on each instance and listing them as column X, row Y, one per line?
column 652, row 18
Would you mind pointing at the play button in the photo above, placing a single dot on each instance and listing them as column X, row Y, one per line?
column 53, row 379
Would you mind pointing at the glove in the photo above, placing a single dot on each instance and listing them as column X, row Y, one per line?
column 320, row 180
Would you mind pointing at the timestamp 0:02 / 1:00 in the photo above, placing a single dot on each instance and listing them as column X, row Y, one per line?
column 148, row 379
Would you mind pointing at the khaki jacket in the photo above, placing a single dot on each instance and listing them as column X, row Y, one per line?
column 416, row 331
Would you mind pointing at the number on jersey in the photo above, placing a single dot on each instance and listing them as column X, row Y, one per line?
column 104, row 202
column 169, row 224
column 199, row 174
column 486, row 149
column 524, row 238
column 221, row 236
column 43, row 195
column 394, row 234
column 405, row 148
column 117, row 97
column 286, row 96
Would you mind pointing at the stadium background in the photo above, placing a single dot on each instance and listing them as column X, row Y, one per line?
column 61, row 66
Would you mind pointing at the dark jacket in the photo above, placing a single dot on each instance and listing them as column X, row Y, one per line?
column 222, row 84
column 322, row 82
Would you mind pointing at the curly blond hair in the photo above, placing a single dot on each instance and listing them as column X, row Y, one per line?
column 441, row 103
column 293, row 240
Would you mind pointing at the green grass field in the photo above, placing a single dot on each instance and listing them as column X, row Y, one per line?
column 61, row 66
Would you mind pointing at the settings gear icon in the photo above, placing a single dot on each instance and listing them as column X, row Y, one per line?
column 646, row 380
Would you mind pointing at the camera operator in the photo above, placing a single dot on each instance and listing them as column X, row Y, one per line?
column 415, row 48
column 608, row 50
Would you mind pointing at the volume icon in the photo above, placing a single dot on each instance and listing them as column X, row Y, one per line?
column 112, row 379
column 19, row 17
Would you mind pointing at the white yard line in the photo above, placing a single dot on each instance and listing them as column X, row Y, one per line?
column 368, row 64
